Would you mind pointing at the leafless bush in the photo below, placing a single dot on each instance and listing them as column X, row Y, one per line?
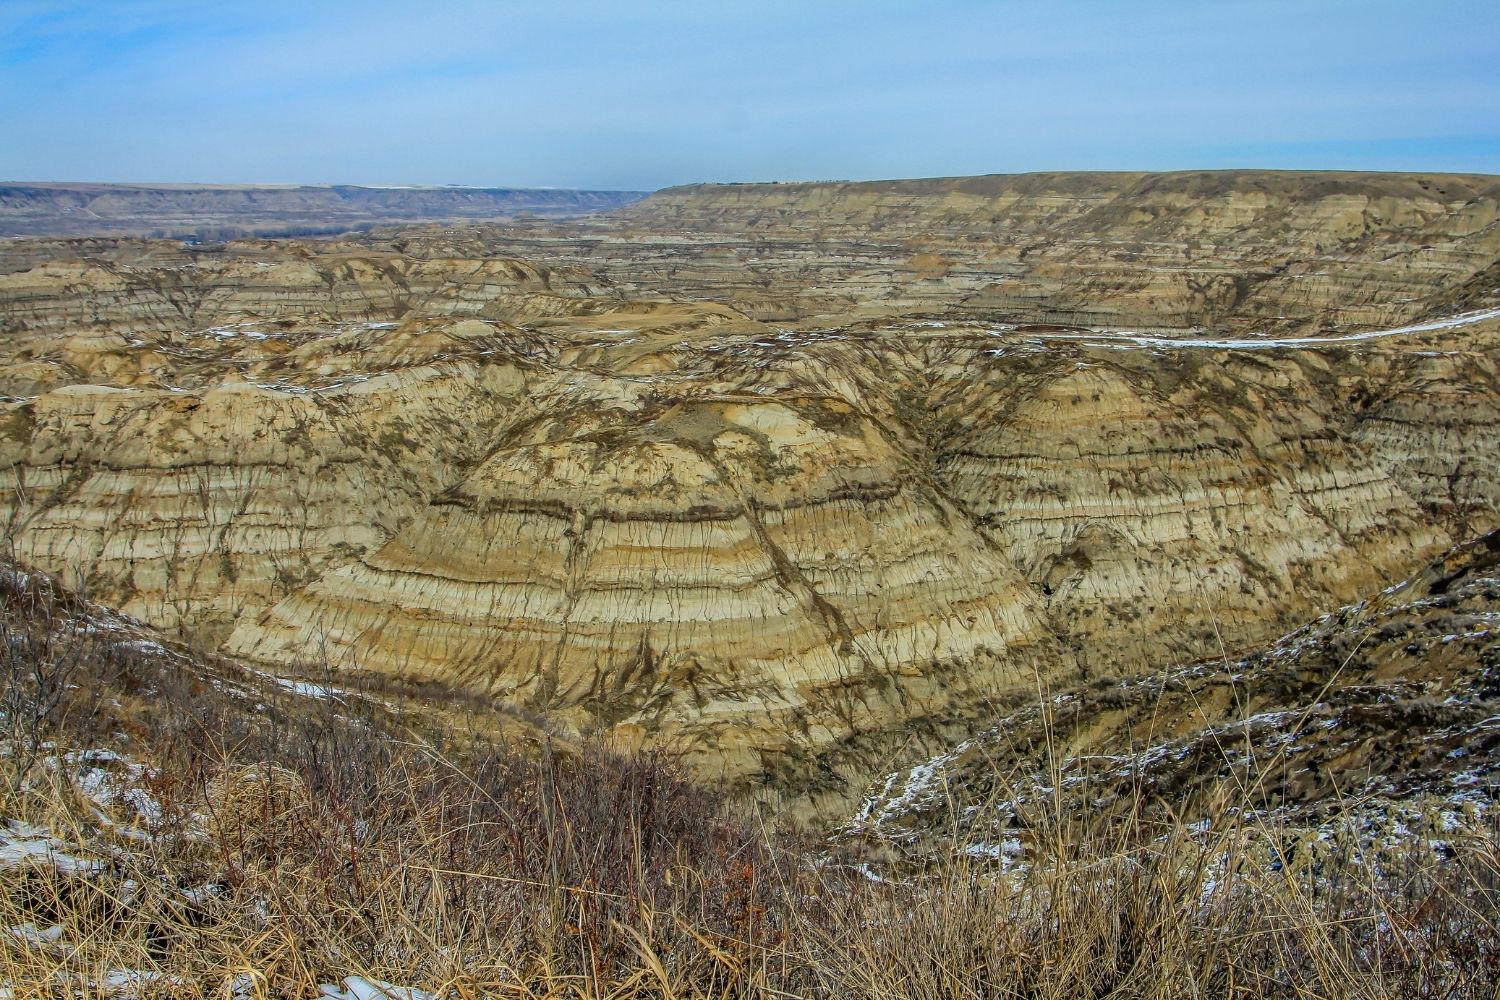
column 40, row 653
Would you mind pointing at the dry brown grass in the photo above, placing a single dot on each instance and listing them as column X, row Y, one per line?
column 304, row 841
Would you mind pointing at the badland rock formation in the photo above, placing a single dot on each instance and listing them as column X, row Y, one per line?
column 803, row 477
column 1384, row 709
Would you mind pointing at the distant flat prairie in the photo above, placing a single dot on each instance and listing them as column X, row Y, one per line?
column 220, row 211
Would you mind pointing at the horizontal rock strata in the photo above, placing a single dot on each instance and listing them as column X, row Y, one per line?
column 796, row 546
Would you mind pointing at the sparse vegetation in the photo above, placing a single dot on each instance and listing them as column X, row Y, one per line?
column 250, row 842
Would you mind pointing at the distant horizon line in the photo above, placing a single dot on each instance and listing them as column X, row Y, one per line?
column 242, row 185
column 250, row 185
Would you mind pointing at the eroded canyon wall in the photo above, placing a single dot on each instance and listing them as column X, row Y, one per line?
column 579, row 469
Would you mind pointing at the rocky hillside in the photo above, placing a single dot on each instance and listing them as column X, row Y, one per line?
column 1381, row 710
column 227, row 210
column 582, row 470
column 180, row 825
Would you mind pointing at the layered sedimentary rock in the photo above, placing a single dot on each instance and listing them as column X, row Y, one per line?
column 164, row 288
column 740, row 569
column 1131, row 495
column 1221, row 250
column 1380, row 710
column 188, row 509
column 568, row 482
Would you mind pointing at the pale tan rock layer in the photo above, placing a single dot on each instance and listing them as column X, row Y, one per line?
column 167, row 289
column 1226, row 250
column 797, row 550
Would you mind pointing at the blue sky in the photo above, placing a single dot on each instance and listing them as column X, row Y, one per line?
column 642, row 95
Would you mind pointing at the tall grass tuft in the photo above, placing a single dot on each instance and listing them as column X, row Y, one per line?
column 249, row 848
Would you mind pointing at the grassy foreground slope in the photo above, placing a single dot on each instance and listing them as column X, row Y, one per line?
column 180, row 825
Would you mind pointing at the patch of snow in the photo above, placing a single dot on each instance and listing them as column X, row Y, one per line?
column 200, row 895
column 1005, row 851
column 144, row 646
column 109, row 780
column 133, row 982
column 22, row 845
column 361, row 988
column 304, row 688
column 241, row 987
column 1129, row 340
column 30, row 934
